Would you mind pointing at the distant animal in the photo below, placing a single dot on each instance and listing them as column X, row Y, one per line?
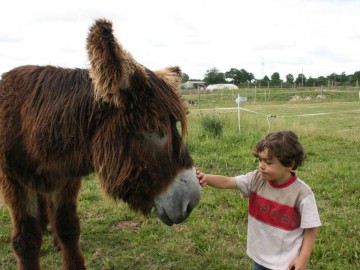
column 117, row 118
column 191, row 102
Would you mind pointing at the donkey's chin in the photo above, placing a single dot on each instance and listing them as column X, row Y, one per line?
column 175, row 204
column 163, row 216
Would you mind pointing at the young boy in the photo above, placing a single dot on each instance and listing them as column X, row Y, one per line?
column 283, row 217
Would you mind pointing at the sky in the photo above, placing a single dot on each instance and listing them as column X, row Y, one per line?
column 313, row 37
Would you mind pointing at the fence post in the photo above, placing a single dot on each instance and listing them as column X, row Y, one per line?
column 238, row 102
column 199, row 97
column 254, row 95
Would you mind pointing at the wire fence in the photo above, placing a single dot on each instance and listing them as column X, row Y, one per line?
column 335, row 112
column 226, row 98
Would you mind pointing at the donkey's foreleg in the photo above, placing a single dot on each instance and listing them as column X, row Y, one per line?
column 26, row 233
column 66, row 226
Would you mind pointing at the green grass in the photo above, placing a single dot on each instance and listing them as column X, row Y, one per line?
column 214, row 236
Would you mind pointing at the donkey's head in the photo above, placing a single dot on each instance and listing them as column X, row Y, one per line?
column 138, row 152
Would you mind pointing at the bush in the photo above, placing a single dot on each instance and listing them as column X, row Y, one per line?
column 212, row 126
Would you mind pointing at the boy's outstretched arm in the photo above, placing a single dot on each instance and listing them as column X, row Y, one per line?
column 216, row 181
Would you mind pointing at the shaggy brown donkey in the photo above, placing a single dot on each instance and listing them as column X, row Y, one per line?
column 117, row 119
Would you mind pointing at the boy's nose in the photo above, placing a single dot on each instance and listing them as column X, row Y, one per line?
column 261, row 165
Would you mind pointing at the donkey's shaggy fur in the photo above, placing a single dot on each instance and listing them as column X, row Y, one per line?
column 58, row 125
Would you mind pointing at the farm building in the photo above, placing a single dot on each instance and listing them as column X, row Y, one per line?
column 193, row 85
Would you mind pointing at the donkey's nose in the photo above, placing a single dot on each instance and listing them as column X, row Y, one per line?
column 189, row 209
column 175, row 204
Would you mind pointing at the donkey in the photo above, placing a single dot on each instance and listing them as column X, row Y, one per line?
column 117, row 119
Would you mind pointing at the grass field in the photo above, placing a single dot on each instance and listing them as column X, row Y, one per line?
column 214, row 236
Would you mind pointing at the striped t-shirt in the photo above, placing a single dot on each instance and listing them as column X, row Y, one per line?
column 278, row 216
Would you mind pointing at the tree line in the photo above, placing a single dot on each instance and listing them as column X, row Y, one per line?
column 243, row 78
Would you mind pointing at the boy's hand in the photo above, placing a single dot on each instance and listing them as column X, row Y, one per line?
column 299, row 263
column 201, row 177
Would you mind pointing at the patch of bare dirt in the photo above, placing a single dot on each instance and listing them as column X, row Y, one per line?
column 125, row 225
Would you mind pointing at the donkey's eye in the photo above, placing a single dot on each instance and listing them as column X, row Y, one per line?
column 161, row 134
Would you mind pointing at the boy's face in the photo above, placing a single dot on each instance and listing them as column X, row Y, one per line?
column 271, row 168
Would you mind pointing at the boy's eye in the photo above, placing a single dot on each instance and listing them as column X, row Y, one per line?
column 268, row 162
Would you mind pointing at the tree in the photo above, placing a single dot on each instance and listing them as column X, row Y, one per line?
column 185, row 78
column 290, row 79
column 239, row 76
column 248, row 76
column 300, row 80
column 275, row 79
column 214, row 76
column 355, row 79
column 311, row 81
column 333, row 78
column 322, row 81
column 234, row 75
column 264, row 81
column 356, row 76
column 343, row 78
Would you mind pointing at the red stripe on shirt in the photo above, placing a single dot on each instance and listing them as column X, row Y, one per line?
column 273, row 213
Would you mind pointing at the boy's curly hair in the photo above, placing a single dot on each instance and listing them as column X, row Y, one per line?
column 285, row 146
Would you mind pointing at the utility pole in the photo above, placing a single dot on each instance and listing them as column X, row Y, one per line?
column 302, row 78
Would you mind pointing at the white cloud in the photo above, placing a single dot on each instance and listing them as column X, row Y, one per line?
column 286, row 36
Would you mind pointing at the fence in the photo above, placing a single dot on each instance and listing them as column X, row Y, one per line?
column 226, row 98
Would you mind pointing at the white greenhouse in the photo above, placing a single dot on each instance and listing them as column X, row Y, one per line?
column 215, row 87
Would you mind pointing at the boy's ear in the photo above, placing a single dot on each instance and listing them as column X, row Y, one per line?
column 292, row 165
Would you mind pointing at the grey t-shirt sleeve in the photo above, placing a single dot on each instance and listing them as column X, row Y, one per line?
column 309, row 213
column 243, row 182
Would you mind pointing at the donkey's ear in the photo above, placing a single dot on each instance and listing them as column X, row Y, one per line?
column 111, row 67
column 171, row 75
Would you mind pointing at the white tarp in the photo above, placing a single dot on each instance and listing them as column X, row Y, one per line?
column 214, row 87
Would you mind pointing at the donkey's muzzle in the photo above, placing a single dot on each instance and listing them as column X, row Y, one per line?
column 175, row 204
